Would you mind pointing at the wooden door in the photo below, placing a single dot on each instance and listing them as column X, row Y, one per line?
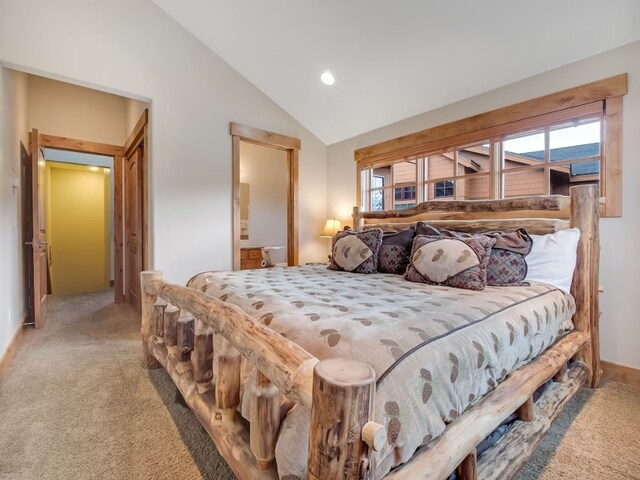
column 38, row 242
column 133, row 226
column 27, row 230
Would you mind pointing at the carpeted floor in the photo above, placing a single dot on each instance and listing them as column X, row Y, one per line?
column 76, row 403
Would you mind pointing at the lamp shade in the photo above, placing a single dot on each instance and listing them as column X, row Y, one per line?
column 331, row 227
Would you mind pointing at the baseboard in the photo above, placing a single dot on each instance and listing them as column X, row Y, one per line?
column 621, row 373
column 6, row 357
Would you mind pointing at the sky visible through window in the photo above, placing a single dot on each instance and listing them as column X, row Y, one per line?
column 566, row 137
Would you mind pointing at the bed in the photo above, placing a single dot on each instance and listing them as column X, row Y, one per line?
column 304, row 372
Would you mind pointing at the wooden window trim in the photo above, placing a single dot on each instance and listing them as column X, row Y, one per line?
column 603, row 97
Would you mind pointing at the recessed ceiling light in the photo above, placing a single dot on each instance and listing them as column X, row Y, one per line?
column 327, row 78
column 93, row 169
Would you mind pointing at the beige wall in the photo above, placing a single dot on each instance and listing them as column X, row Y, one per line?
column 66, row 110
column 194, row 94
column 13, row 130
column 620, row 328
column 265, row 170
column 133, row 111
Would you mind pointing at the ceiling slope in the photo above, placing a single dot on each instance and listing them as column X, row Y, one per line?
column 396, row 59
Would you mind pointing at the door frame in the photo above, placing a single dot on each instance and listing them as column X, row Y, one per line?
column 265, row 138
column 117, row 152
column 138, row 136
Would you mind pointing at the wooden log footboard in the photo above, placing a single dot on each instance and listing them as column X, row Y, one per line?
column 230, row 438
column 183, row 343
column 181, row 326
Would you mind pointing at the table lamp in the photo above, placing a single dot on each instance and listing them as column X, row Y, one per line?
column 331, row 227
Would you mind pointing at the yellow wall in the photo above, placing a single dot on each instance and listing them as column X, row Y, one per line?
column 78, row 228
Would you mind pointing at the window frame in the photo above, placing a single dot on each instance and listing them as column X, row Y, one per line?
column 403, row 192
column 444, row 185
column 602, row 98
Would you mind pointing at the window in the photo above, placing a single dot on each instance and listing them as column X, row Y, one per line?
column 444, row 189
column 390, row 186
column 377, row 197
column 405, row 193
column 541, row 147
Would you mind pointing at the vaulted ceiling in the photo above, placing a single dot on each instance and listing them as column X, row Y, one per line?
column 393, row 59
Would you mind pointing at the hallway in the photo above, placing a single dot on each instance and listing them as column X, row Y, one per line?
column 76, row 403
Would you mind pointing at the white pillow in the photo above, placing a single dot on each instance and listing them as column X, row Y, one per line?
column 552, row 259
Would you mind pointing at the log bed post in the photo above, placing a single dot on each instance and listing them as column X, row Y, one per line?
column 185, row 336
column 468, row 469
column 342, row 403
column 584, row 288
column 561, row 376
column 158, row 319
column 358, row 220
column 228, row 380
column 148, row 320
column 264, row 420
column 202, row 356
column 526, row 411
column 171, row 316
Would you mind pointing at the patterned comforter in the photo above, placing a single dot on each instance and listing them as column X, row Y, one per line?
column 435, row 350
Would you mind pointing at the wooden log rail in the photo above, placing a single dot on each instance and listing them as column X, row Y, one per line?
column 452, row 449
column 549, row 203
column 178, row 329
column 552, row 207
column 285, row 363
column 536, row 226
column 230, row 438
column 505, row 458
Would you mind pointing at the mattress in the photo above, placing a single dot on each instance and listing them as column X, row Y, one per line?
column 435, row 350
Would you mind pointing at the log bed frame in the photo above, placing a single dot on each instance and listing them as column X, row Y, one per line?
column 179, row 324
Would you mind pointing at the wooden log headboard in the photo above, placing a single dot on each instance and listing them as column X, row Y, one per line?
column 539, row 215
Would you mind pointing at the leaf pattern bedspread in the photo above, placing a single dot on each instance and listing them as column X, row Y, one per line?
column 435, row 350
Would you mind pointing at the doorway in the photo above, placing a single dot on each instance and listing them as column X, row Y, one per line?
column 255, row 257
column 79, row 222
column 127, row 199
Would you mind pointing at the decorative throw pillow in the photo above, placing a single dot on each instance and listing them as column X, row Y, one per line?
column 506, row 268
column 356, row 251
column 507, row 264
column 454, row 262
column 553, row 258
column 395, row 251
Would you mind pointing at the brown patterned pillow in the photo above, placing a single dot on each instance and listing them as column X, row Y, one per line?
column 506, row 268
column 454, row 262
column 507, row 264
column 395, row 251
column 356, row 251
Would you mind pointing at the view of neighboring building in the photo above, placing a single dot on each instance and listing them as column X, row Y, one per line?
column 473, row 162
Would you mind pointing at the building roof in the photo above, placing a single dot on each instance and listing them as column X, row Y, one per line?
column 575, row 151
